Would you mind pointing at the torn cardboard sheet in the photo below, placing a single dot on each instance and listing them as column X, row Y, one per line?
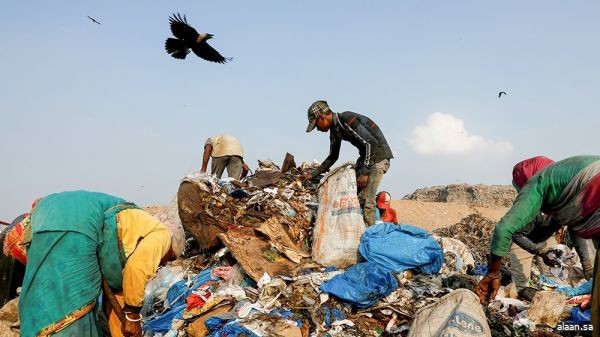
column 280, row 240
column 255, row 254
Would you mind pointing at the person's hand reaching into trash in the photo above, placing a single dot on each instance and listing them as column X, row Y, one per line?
column 362, row 180
column 488, row 287
column 245, row 170
column 132, row 328
column 550, row 257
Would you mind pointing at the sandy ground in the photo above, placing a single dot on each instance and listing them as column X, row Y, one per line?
column 432, row 215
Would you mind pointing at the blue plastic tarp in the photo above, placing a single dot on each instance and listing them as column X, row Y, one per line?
column 401, row 247
column 583, row 289
column 362, row 284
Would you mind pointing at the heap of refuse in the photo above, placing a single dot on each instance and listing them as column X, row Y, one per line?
column 472, row 195
column 297, row 260
column 474, row 231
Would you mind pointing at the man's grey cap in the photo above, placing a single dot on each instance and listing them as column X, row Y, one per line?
column 317, row 109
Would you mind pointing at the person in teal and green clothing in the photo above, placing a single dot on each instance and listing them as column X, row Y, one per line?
column 77, row 239
column 569, row 191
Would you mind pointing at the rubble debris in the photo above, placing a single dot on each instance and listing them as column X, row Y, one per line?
column 460, row 281
column 501, row 325
column 280, row 240
column 253, row 254
column 264, row 178
column 9, row 319
column 288, row 163
column 457, row 256
column 229, row 204
column 265, row 283
column 198, row 328
column 474, row 231
column 472, row 195
column 547, row 308
column 10, row 311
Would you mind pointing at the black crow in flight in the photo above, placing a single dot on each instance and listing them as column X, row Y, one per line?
column 500, row 94
column 188, row 38
column 93, row 20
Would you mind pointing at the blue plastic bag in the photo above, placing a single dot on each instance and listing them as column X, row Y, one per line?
column 176, row 297
column 217, row 322
column 480, row 269
column 362, row 284
column 331, row 315
column 234, row 329
column 163, row 322
column 401, row 247
column 580, row 317
column 179, row 291
column 584, row 289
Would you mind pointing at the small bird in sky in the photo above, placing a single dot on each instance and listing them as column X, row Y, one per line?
column 500, row 94
column 188, row 38
column 93, row 20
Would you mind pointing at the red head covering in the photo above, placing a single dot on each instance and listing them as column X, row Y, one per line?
column 527, row 168
column 383, row 200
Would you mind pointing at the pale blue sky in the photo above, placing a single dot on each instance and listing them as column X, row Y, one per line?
column 103, row 107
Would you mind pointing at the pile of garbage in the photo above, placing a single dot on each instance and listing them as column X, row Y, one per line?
column 297, row 260
column 474, row 231
column 269, row 193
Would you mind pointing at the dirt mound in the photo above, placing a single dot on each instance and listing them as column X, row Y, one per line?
column 471, row 195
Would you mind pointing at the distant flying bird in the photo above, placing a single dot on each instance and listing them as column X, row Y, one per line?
column 500, row 94
column 188, row 38
column 93, row 20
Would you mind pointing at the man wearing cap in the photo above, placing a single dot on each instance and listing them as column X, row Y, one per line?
column 227, row 153
column 374, row 152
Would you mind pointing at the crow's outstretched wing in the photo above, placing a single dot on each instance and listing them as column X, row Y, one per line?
column 205, row 51
column 176, row 48
column 181, row 29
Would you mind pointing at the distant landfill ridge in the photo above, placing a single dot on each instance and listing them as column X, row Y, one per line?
column 472, row 195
